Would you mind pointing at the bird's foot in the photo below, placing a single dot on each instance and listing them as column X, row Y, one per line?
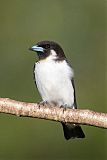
column 64, row 107
column 43, row 102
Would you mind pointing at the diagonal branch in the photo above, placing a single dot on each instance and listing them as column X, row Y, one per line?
column 51, row 112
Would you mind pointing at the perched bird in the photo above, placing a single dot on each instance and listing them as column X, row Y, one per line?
column 55, row 81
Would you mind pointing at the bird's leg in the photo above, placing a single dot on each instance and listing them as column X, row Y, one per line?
column 43, row 102
column 64, row 107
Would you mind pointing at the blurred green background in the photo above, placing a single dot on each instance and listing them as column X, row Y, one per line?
column 80, row 27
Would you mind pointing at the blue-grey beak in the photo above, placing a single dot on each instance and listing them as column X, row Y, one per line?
column 36, row 48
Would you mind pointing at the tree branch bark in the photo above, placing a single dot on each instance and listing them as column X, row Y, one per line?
column 51, row 112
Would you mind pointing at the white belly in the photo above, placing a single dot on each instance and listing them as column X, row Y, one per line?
column 53, row 81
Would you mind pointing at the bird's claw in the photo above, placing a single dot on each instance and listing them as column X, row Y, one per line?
column 43, row 102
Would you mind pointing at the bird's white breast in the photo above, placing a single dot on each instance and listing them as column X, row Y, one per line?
column 53, row 80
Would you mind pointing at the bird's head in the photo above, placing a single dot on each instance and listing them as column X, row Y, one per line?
column 48, row 49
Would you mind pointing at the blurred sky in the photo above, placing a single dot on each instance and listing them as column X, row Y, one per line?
column 79, row 26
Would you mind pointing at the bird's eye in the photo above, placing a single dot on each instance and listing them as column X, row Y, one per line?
column 47, row 46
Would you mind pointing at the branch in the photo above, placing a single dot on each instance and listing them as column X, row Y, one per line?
column 51, row 112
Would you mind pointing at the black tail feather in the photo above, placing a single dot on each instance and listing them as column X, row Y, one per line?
column 72, row 131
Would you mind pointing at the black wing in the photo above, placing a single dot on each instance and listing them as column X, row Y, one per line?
column 75, row 103
column 34, row 74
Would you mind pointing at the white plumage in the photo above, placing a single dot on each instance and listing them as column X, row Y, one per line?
column 53, row 79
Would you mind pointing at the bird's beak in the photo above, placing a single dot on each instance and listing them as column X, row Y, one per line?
column 36, row 48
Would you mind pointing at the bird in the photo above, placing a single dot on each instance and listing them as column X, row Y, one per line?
column 54, row 77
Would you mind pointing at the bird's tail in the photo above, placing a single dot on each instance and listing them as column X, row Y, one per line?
column 72, row 131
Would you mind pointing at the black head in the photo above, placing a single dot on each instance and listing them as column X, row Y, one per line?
column 45, row 49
